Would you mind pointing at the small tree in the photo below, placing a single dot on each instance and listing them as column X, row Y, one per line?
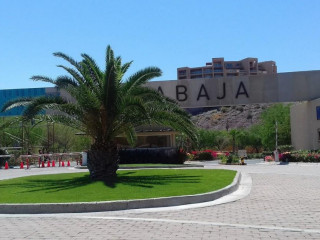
column 207, row 138
column 279, row 113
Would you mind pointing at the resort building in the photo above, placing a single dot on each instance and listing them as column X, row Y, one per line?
column 11, row 94
column 220, row 68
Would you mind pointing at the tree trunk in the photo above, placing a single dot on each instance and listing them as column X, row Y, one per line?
column 103, row 161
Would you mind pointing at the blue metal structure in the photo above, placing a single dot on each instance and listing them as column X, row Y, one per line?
column 11, row 94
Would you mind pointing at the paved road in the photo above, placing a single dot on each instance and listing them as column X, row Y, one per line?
column 284, row 203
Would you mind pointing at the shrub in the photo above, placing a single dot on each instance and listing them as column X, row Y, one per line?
column 300, row 156
column 239, row 108
column 152, row 155
column 224, row 109
column 203, row 156
column 229, row 159
column 285, row 148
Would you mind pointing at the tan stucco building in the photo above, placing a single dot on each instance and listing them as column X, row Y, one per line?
column 305, row 125
column 218, row 67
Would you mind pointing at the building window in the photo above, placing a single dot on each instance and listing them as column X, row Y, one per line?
column 182, row 72
column 229, row 65
column 196, row 71
column 318, row 112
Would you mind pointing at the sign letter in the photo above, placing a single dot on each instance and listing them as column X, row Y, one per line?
column 205, row 94
column 243, row 91
column 224, row 92
column 160, row 90
column 181, row 93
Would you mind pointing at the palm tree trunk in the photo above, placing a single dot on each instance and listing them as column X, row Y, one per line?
column 103, row 161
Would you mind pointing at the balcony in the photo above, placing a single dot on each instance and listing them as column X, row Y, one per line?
column 218, row 75
column 196, row 72
column 232, row 70
column 196, row 76
column 208, row 76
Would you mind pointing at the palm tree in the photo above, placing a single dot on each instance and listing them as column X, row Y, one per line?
column 234, row 133
column 104, row 106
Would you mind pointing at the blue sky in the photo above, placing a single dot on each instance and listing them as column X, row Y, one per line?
column 163, row 33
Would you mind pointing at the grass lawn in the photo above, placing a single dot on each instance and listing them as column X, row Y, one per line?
column 130, row 184
column 150, row 165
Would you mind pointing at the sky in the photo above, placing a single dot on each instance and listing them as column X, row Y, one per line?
column 163, row 33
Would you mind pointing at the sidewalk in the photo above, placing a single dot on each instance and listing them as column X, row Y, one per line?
column 283, row 204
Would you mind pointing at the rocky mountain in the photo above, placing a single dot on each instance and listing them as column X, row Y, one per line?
column 234, row 117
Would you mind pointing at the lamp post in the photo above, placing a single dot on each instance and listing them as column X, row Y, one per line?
column 276, row 135
column 276, row 154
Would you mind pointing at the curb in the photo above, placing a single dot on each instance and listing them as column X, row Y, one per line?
column 163, row 167
column 153, row 167
column 119, row 205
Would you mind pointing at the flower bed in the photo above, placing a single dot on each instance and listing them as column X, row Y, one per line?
column 300, row 156
column 268, row 158
column 207, row 154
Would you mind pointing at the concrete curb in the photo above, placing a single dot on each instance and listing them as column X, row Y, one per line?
column 151, row 167
column 118, row 205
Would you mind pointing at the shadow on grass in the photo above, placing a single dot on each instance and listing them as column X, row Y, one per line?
column 145, row 181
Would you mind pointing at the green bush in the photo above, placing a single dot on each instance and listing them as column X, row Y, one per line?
column 224, row 109
column 239, row 108
column 231, row 159
column 285, row 148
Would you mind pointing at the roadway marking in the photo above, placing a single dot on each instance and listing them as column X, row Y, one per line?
column 205, row 223
column 235, row 225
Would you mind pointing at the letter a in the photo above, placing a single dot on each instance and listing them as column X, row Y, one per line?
column 243, row 92
column 205, row 94
column 160, row 90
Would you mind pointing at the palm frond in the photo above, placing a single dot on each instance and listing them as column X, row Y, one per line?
column 130, row 133
column 109, row 88
column 94, row 69
column 43, row 79
column 41, row 103
column 10, row 122
column 125, row 67
column 141, row 77
column 76, row 75
column 65, row 81
column 68, row 59
column 16, row 103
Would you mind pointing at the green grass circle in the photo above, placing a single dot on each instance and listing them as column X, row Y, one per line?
column 130, row 184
